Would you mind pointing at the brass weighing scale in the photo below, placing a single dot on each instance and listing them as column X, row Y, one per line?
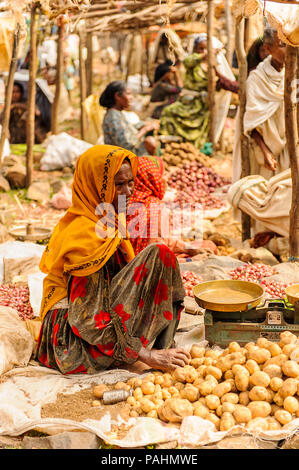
column 236, row 311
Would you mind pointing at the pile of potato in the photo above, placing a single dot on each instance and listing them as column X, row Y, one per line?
column 176, row 154
column 223, row 243
column 256, row 386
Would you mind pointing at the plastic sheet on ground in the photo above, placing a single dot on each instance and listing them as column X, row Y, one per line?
column 23, row 392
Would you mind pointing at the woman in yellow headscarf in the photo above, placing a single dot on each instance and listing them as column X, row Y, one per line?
column 102, row 306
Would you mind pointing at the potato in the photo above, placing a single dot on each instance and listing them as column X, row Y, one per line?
column 201, row 370
column 238, row 369
column 158, row 403
column 262, row 343
column 148, row 388
column 270, row 395
column 276, row 383
column 198, row 381
column 196, row 362
column 229, row 374
column 244, row 398
column 96, row 403
column 258, row 424
column 175, row 409
column 294, row 356
column 252, row 366
column 291, row 404
column 260, row 355
column 211, row 353
column 212, row 402
column 199, row 409
column 137, row 393
column 214, row 419
column 179, row 386
column 159, row 380
column 228, row 407
column 132, row 381
column 273, row 371
column 242, row 382
column 214, row 371
column 207, row 387
column 158, row 388
column 190, row 393
column 251, row 346
column 174, row 391
column 283, row 416
column 134, row 414
column 259, row 378
column 258, row 393
column 226, row 422
column 146, row 405
column 278, row 360
column 219, row 411
column 274, row 349
column 230, row 397
column 259, row 409
column 158, row 396
column 190, row 374
column 179, row 374
column 165, row 393
column 286, row 337
column 288, row 349
column 168, row 380
column 209, row 361
column 288, row 388
column 273, row 425
column 274, row 408
column 149, row 377
column 197, row 351
column 152, row 414
column 137, row 383
column 202, row 400
column 225, row 363
column 234, row 347
column 99, row 390
column 290, row 369
column 131, row 401
column 233, row 385
column 212, row 379
column 242, row 414
column 221, row 389
column 278, row 399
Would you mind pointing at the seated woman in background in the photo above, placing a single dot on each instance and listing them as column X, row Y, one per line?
column 116, row 127
column 145, row 211
column 102, row 306
column 167, row 87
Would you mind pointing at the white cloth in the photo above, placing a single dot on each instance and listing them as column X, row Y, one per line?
column 264, row 112
column 266, row 201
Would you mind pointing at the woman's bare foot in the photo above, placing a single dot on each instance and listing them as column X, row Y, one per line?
column 164, row 359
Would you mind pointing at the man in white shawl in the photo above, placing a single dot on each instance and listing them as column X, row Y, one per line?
column 264, row 114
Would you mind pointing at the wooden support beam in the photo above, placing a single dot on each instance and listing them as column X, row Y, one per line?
column 229, row 32
column 9, row 90
column 242, row 61
column 211, row 70
column 291, row 105
column 30, row 129
column 58, row 79
column 89, row 64
column 82, row 74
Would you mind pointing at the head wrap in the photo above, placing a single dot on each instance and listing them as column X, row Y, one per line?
column 162, row 69
column 149, row 191
column 203, row 37
column 75, row 247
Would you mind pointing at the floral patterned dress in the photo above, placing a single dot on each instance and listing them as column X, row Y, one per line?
column 114, row 312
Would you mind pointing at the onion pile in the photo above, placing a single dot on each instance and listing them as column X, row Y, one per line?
column 275, row 289
column 252, row 272
column 16, row 297
column 190, row 280
column 196, row 183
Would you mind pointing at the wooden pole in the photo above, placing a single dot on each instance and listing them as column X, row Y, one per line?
column 89, row 64
column 130, row 51
column 211, row 70
column 9, row 90
column 30, row 129
column 230, row 33
column 242, row 61
column 58, row 80
column 82, row 73
column 292, row 145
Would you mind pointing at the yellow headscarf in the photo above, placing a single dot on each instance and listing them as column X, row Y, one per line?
column 75, row 247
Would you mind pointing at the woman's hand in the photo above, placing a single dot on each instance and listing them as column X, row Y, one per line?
column 269, row 160
column 164, row 359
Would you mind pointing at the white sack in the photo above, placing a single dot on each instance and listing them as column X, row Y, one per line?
column 35, row 284
column 62, row 150
column 17, row 250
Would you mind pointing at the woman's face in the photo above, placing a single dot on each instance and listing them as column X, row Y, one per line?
column 124, row 186
column 262, row 52
column 201, row 47
column 16, row 94
column 123, row 100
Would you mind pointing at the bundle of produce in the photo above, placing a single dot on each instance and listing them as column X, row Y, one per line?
column 195, row 184
column 176, row 154
column 16, row 297
column 255, row 386
column 190, row 280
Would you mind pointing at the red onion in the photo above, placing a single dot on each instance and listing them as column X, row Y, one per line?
column 190, row 280
column 16, row 297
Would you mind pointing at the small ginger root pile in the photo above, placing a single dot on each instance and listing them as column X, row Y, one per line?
column 256, row 386
column 176, row 154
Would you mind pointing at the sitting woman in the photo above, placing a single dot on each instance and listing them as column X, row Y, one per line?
column 167, row 87
column 118, row 130
column 102, row 307
column 148, row 216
